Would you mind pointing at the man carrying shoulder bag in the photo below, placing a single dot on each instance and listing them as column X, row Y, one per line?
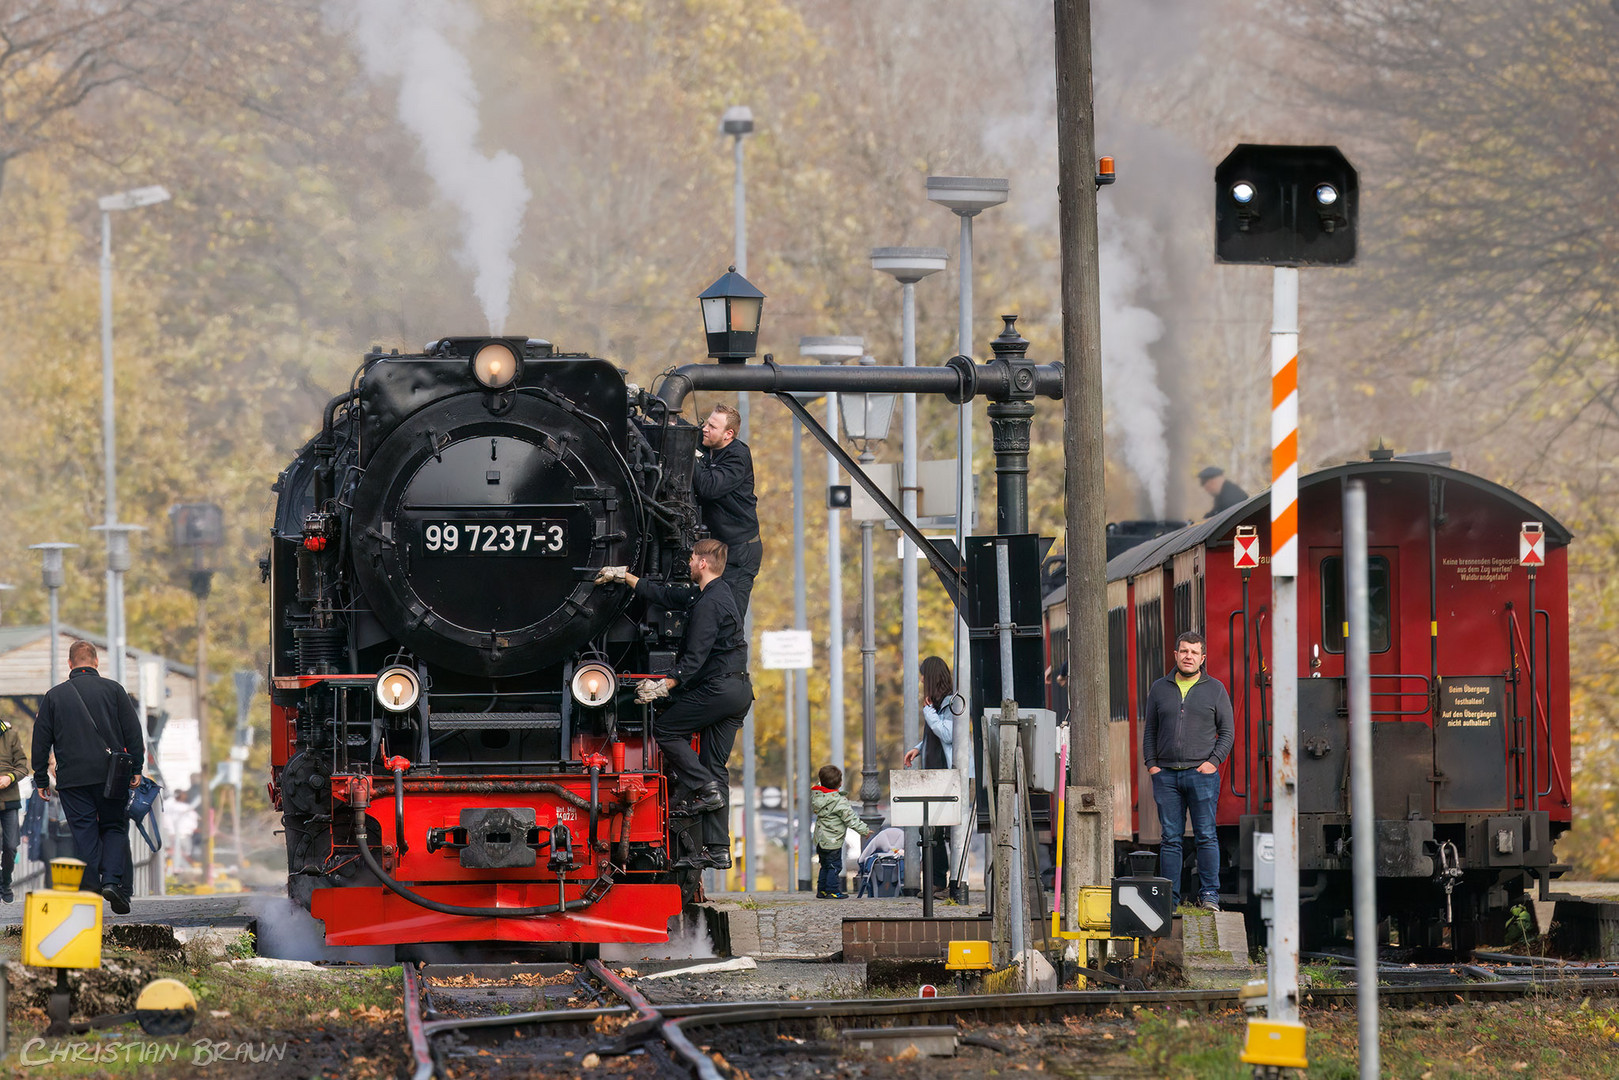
column 90, row 723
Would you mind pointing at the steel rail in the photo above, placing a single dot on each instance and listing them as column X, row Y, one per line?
column 677, row 1039
column 420, row 1049
column 671, row 1020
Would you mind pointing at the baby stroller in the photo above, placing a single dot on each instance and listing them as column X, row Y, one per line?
column 882, row 874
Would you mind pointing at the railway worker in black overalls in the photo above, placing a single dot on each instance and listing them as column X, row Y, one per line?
column 1187, row 732
column 723, row 486
column 709, row 695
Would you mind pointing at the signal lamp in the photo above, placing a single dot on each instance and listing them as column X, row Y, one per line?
column 398, row 688
column 1243, row 192
column 495, row 365
column 593, row 685
column 1326, row 194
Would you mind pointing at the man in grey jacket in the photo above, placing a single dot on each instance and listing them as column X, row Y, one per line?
column 1187, row 733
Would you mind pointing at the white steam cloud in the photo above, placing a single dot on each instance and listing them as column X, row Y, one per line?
column 414, row 42
column 1136, row 404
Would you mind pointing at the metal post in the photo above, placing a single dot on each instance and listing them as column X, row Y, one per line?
column 1088, row 832
column 910, row 658
column 109, row 460
column 1009, row 915
column 870, row 791
column 208, row 821
column 789, row 784
column 56, row 634
column 750, row 787
column 834, row 604
column 1283, row 954
column 1364, row 816
column 801, row 685
column 962, row 744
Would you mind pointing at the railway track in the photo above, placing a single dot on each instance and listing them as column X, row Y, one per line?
column 590, row 1009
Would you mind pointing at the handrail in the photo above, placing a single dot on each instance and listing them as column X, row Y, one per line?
column 1535, row 700
column 1426, row 694
column 1231, row 680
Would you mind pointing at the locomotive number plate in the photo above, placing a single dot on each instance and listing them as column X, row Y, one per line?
column 502, row 538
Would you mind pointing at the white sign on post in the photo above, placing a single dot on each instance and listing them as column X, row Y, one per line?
column 790, row 650
column 941, row 784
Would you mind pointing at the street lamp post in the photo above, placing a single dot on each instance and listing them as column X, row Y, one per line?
column 866, row 419
column 116, row 540
column 737, row 123
column 908, row 266
column 833, row 350
column 54, row 574
column 967, row 197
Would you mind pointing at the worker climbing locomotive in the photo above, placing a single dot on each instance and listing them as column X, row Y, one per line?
column 457, row 750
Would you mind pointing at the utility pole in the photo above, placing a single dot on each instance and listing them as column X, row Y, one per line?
column 1088, row 832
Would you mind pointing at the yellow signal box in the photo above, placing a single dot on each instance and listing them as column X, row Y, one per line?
column 61, row 926
column 968, row 956
column 1277, row 1043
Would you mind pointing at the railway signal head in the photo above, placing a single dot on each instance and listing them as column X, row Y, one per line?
column 1285, row 206
column 732, row 308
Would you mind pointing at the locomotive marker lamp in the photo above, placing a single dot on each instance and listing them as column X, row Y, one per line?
column 496, row 365
column 732, row 308
column 593, row 685
column 398, row 688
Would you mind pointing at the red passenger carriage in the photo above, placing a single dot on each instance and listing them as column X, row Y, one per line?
column 1470, row 703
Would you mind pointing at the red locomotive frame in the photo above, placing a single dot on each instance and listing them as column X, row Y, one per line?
column 1470, row 706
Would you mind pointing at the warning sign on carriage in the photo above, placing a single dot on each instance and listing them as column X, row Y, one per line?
column 1245, row 550
column 1532, row 544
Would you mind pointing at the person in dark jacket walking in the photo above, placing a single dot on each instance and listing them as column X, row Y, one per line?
column 709, row 695
column 85, row 720
column 13, row 767
column 722, row 484
column 1187, row 733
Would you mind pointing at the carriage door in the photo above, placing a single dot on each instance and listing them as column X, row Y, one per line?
column 1323, row 697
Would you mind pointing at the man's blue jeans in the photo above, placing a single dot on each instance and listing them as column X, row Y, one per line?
column 1179, row 792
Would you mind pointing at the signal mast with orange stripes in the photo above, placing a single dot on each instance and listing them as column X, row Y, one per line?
column 1285, row 206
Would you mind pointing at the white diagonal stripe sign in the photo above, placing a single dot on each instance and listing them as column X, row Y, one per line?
column 1130, row 896
column 80, row 919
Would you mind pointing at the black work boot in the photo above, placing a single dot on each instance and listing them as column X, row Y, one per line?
column 708, row 798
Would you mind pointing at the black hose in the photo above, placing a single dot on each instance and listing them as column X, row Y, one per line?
column 329, row 418
column 399, row 810
column 605, row 882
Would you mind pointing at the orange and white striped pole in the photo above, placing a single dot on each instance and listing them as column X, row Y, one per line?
column 1283, row 951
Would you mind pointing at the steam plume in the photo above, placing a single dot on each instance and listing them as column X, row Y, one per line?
column 1135, row 403
column 414, row 42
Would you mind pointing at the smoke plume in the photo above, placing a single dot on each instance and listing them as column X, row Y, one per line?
column 415, row 43
column 1136, row 405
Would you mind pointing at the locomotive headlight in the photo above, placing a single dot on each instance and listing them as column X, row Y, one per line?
column 593, row 685
column 1243, row 192
column 398, row 688
column 1326, row 194
column 495, row 365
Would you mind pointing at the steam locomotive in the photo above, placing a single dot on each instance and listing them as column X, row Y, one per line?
column 456, row 754
column 1470, row 704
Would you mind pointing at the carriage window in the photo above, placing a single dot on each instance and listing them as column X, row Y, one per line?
column 1118, row 670
column 1333, row 611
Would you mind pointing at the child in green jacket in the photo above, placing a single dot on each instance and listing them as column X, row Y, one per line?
column 834, row 817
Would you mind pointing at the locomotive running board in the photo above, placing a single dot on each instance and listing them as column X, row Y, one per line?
column 373, row 915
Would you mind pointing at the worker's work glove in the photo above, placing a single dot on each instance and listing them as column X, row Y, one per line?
column 651, row 690
column 611, row 575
